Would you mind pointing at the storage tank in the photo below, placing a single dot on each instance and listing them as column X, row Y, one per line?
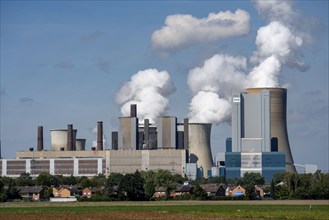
column 199, row 147
column 58, row 139
column 80, row 144
column 278, row 103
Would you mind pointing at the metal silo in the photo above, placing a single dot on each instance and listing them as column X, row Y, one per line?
column 199, row 146
column 278, row 103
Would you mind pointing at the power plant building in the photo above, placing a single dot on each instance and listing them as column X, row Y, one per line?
column 259, row 134
column 259, row 143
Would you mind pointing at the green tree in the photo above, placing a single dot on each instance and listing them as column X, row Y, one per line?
column 132, row 185
column 24, row 179
column 199, row 193
column 112, row 185
column 99, row 180
column 46, row 179
column 251, row 179
column 165, row 179
column 85, row 182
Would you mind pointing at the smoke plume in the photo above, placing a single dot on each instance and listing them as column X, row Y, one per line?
column 278, row 44
column 148, row 89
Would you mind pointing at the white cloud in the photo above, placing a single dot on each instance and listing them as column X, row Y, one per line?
column 183, row 30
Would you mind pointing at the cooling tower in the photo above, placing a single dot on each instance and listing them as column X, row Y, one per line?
column 40, row 138
column 278, row 103
column 100, row 135
column 80, row 144
column 199, row 146
column 59, row 139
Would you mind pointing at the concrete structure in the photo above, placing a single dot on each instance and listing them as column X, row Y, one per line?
column 278, row 120
column 59, row 139
column 167, row 131
column 80, row 144
column 127, row 134
column 259, row 134
column 199, row 147
column 91, row 163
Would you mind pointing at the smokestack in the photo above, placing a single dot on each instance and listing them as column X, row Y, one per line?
column 133, row 110
column 186, row 134
column 100, row 135
column 40, row 138
column 114, row 140
column 70, row 137
column 146, row 133
column 278, row 105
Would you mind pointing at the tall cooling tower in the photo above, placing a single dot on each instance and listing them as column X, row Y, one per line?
column 278, row 103
column 58, row 139
column 199, row 146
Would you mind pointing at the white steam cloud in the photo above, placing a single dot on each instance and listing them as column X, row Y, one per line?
column 212, row 86
column 148, row 89
column 278, row 44
column 182, row 30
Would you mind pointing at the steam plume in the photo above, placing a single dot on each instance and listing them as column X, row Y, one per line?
column 278, row 44
column 148, row 89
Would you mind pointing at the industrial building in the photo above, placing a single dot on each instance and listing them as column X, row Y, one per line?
column 259, row 143
column 259, row 140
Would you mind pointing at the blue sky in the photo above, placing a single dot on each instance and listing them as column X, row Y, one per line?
column 64, row 61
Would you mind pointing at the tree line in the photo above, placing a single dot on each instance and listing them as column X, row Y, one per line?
column 141, row 185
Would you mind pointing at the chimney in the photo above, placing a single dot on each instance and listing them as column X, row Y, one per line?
column 70, row 137
column 186, row 135
column 133, row 110
column 146, row 133
column 114, row 140
column 100, row 135
column 40, row 138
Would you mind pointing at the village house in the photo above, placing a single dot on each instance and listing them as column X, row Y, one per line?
column 214, row 189
column 36, row 193
column 65, row 192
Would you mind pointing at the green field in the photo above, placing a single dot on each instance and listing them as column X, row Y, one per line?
column 163, row 210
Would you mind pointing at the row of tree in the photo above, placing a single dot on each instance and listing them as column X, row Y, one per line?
column 141, row 185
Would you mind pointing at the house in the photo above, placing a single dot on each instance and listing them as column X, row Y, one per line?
column 89, row 191
column 214, row 189
column 183, row 190
column 65, row 192
column 86, row 192
column 238, row 191
column 260, row 192
column 36, row 193
column 159, row 192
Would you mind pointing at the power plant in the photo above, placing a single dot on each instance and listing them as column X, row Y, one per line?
column 259, row 143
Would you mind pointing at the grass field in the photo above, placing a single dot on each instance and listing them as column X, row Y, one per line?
column 180, row 210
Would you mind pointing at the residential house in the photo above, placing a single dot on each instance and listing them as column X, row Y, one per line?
column 159, row 192
column 66, row 191
column 260, row 191
column 214, row 189
column 36, row 193
column 183, row 190
column 89, row 191
column 238, row 191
